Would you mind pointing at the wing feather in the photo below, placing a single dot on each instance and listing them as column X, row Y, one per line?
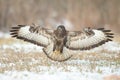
column 36, row 35
column 88, row 39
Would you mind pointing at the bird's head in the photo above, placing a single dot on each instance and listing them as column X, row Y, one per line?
column 61, row 29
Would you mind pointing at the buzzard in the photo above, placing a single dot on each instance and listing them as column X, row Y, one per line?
column 57, row 44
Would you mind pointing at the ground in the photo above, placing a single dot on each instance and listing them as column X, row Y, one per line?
column 20, row 60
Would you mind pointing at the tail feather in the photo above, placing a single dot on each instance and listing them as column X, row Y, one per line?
column 57, row 55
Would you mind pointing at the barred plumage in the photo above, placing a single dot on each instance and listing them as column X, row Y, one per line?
column 58, row 44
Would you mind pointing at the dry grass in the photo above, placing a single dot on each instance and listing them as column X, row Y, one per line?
column 11, row 60
column 20, row 61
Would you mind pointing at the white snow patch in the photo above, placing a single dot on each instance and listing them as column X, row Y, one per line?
column 4, row 35
column 18, row 47
column 28, row 47
column 109, row 46
column 25, row 75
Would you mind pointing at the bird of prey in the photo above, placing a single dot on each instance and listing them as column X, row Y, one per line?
column 57, row 44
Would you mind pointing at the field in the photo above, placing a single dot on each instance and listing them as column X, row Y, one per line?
column 24, row 61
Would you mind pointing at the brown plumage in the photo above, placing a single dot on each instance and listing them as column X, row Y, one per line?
column 59, row 43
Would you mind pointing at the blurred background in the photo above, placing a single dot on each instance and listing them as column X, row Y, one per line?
column 20, row 60
column 74, row 14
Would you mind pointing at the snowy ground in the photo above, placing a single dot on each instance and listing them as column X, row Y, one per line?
column 25, row 61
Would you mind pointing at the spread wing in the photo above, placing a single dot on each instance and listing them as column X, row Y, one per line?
column 88, row 39
column 34, row 34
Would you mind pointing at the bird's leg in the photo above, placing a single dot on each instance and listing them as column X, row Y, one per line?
column 63, row 43
column 54, row 47
column 61, row 49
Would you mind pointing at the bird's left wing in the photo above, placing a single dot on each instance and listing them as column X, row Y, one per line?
column 34, row 34
column 88, row 39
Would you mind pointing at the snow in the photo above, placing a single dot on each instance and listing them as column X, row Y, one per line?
column 54, row 73
column 18, row 47
column 25, row 75
column 109, row 47
column 28, row 47
column 74, row 70
column 4, row 35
